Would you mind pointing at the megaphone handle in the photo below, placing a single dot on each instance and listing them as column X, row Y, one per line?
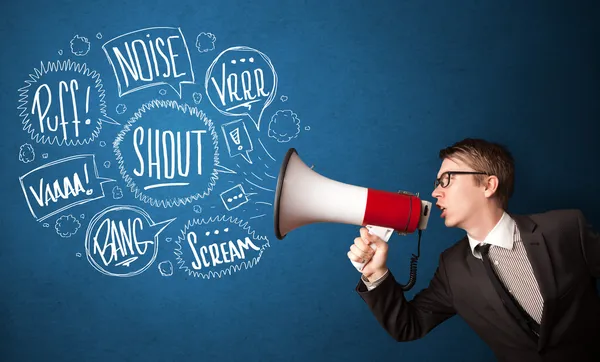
column 383, row 233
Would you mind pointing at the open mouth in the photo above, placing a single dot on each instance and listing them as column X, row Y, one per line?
column 443, row 209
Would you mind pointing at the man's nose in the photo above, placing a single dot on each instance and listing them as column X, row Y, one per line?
column 436, row 192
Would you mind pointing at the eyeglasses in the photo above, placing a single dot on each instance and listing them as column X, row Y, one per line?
column 444, row 179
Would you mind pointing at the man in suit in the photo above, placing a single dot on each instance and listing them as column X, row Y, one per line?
column 526, row 284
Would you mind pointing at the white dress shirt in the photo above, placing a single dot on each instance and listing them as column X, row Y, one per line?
column 501, row 235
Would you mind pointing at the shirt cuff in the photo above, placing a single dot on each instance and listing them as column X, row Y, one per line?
column 373, row 285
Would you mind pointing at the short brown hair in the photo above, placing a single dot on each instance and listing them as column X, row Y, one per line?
column 489, row 157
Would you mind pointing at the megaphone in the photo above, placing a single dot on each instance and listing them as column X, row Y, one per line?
column 304, row 197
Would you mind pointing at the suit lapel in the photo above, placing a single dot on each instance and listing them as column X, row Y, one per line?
column 537, row 252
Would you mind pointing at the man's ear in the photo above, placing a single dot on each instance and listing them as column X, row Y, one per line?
column 490, row 186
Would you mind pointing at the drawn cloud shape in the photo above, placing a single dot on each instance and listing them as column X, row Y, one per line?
column 121, row 108
column 26, row 153
column 205, row 42
column 66, row 226
column 165, row 268
column 117, row 193
column 80, row 45
column 197, row 97
column 284, row 126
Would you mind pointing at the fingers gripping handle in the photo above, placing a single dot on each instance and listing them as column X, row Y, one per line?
column 383, row 233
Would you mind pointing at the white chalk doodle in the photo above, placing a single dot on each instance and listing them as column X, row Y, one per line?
column 26, row 153
column 82, row 216
column 121, row 108
column 117, row 193
column 267, row 152
column 78, row 255
column 150, row 57
column 283, row 98
column 165, row 268
column 162, row 92
column 44, row 155
column 257, row 186
column 60, row 52
column 80, row 45
column 237, row 139
column 102, row 143
column 240, row 88
column 197, row 97
column 216, row 232
column 67, row 226
column 106, row 164
column 127, row 262
column 46, row 225
column 183, row 157
column 217, row 255
column 307, row 128
column 234, row 197
column 284, row 126
column 205, row 42
column 255, row 175
column 197, row 209
column 69, row 110
column 62, row 184
column 168, row 239
column 122, row 240
column 99, row 35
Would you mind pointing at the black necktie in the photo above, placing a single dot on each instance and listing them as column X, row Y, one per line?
column 526, row 322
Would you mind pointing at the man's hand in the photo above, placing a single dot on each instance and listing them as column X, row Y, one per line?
column 362, row 252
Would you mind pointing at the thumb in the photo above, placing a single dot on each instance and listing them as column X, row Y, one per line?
column 373, row 240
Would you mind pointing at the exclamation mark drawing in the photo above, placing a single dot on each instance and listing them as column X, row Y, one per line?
column 235, row 137
column 85, row 171
column 87, row 179
column 87, row 106
column 238, row 139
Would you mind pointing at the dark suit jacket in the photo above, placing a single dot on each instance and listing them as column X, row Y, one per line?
column 565, row 257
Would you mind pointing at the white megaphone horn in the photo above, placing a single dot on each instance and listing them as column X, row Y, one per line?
column 304, row 197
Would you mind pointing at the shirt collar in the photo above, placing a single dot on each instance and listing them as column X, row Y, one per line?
column 501, row 235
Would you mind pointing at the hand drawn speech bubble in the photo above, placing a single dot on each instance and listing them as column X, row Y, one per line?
column 63, row 103
column 122, row 240
column 241, row 81
column 62, row 184
column 150, row 57
column 214, row 247
column 237, row 139
column 168, row 154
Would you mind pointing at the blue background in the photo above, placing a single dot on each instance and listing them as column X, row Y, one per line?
column 382, row 86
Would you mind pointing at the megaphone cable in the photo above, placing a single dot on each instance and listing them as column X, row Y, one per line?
column 412, row 279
